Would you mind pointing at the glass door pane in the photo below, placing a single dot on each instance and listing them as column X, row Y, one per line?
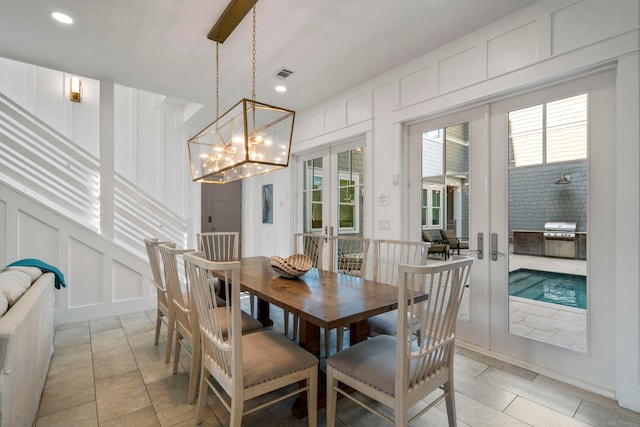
column 350, row 192
column 445, row 193
column 547, row 199
column 312, row 195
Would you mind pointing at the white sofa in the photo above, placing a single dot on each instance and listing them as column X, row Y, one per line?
column 26, row 343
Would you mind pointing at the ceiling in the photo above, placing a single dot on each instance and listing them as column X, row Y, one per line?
column 161, row 45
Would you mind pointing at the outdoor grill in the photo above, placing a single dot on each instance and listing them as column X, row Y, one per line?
column 560, row 239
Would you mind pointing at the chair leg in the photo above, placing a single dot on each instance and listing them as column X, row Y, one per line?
column 202, row 395
column 237, row 406
column 332, row 397
column 450, row 403
column 171, row 324
column 312, row 397
column 196, row 354
column 158, row 325
column 176, row 352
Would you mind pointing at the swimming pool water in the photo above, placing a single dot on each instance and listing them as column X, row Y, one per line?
column 557, row 288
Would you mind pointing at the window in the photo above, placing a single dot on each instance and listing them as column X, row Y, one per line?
column 312, row 193
column 552, row 132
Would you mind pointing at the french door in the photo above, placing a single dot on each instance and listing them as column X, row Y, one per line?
column 498, row 169
column 331, row 185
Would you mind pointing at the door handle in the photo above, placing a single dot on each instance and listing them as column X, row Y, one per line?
column 480, row 246
column 494, row 247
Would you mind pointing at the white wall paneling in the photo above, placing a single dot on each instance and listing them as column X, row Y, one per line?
column 359, row 108
column 85, row 273
column 539, row 45
column 92, row 291
column 513, row 50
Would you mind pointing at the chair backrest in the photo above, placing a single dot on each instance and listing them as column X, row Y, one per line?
column 309, row 244
column 432, row 353
column 218, row 246
column 349, row 255
column 169, row 255
column 389, row 254
column 222, row 351
column 154, row 261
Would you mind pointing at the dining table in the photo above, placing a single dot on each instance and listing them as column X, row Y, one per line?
column 321, row 299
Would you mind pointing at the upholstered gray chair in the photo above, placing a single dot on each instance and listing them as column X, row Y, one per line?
column 348, row 255
column 239, row 368
column 223, row 246
column 399, row 372
column 387, row 256
column 309, row 244
column 162, row 313
column 186, row 317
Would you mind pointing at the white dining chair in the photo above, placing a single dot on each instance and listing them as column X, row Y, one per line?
column 238, row 368
column 186, row 316
column 162, row 312
column 348, row 255
column 387, row 256
column 399, row 372
column 222, row 246
column 309, row 244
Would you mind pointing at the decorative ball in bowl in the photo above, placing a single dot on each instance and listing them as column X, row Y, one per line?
column 294, row 266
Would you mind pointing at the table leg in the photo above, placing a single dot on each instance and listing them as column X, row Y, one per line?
column 358, row 332
column 309, row 337
column 263, row 313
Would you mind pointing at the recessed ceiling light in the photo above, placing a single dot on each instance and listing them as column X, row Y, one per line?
column 281, row 88
column 61, row 17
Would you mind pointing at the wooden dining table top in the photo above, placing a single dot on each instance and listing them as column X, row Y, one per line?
column 323, row 298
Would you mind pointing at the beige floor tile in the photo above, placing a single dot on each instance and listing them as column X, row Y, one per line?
column 540, row 416
column 105, row 324
column 109, row 339
column 169, row 398
column 477, row 414
column 71, row 337
column 600, row 416
column 498, row 364
column 145, row 417
column 115, row 361
column 136, row 322
column 72, row 325
column 120, row 394
column 151, row 395
column 157, row 371
column 493, row 396
column 468, row 366
column 66, row 359
column 582, row 394
column 533, row 391
column 84, row 415
column 66, row 390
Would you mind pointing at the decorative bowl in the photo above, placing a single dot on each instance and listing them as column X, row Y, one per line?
column 294, row 266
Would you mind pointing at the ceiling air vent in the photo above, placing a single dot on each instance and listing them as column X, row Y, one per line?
column 283, row 73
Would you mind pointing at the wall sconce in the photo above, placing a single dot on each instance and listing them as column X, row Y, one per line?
column 76, row 89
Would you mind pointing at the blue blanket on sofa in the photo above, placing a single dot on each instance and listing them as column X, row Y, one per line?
column 46, row 268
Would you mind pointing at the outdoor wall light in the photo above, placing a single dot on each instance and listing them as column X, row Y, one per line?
column 564, row 179
column 75, row 89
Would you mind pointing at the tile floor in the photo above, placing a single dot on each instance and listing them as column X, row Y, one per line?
column 108, row 372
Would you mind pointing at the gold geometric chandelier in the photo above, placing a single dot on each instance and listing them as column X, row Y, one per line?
column 252, row 137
